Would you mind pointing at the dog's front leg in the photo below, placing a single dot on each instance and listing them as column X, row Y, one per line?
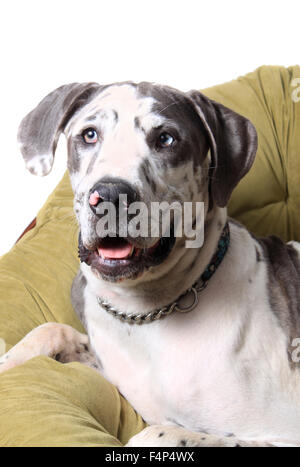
column 173, row 436
column 58, row 341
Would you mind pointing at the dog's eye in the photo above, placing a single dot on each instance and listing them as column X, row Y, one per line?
column 165, row 140
column 90, row 136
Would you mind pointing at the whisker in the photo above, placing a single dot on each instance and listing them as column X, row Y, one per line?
column 170, row 105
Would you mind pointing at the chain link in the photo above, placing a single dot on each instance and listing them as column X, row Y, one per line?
column 158, row 313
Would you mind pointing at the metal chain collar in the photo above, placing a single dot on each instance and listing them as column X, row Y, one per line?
column 196, row 288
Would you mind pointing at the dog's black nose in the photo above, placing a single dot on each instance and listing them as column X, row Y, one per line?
column 110, row 189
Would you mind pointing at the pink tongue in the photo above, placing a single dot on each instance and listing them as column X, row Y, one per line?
column 118, row 252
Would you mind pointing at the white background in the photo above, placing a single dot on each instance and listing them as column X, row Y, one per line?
column 186, row 44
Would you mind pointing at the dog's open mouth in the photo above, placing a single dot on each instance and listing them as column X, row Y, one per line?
column 117, row 258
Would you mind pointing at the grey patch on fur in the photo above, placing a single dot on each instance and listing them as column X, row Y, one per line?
column 258, row 255
column 77, row 296
column 92, row 163
column 199, row 124
column 181, row 120
column 239, row 344
column 201, row 183
column 4, row 358
column 146, row 176
column 91, row 118
column 116, row 116
column 202, row 430
column 40, row 129
column 145, row 172
column 172, row 420
column 283, row 267
column 233, row 145
column 137, row 123
column 73, row 156
column 79, row 198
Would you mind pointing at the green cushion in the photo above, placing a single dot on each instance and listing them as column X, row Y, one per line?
column 46, row 403
column 267, row 199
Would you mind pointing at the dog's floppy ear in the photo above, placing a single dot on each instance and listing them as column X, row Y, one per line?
column 40, row 129
column 233, row 144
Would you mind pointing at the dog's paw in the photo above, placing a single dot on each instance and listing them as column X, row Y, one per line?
column 170, row 436
column 77, row 349
column 69, row 345
column 173, row 436
column 66, row 344
column 58, row 341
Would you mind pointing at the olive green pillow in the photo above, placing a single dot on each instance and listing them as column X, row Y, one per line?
column 267, row 200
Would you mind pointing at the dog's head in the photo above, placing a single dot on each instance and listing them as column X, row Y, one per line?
column 148, row 143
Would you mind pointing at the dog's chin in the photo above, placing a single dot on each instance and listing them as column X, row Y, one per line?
column 116, row 259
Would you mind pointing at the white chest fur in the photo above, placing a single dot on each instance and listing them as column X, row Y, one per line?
column 220, row 368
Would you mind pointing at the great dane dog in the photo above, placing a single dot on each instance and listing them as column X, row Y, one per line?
column 199, row 340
